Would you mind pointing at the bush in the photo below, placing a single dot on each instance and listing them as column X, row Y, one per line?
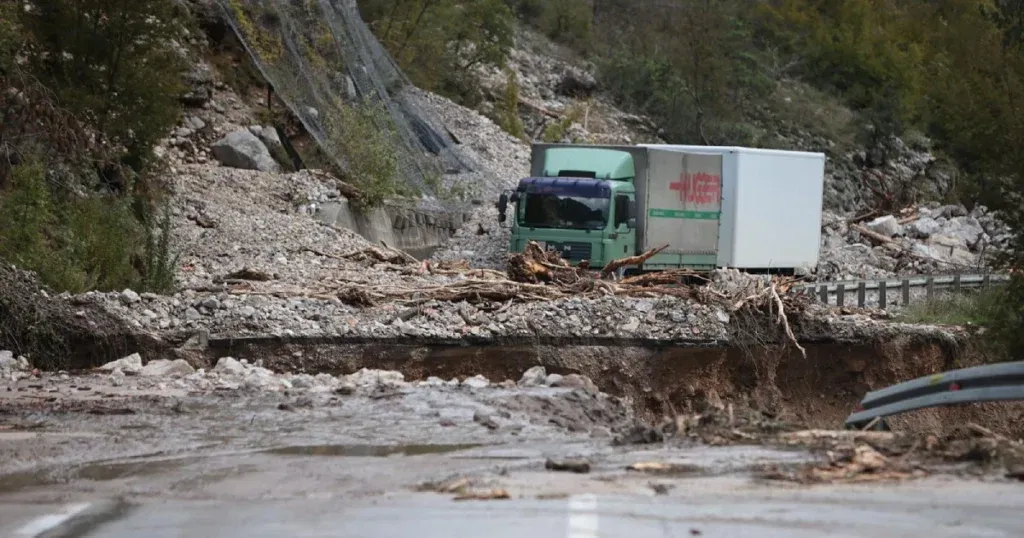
column 366, row 135
column 95, row 86
column 79, row 243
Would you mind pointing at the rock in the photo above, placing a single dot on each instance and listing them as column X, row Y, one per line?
column 887, row 226
column 199, row 83
column 130, row 297
column 229, row 366
column 345, row 388
column 578, row 381
column 632, row 325
column 166, row 368
column 8, row 363
column 534, row 377
column 130, row 365
column 924, row 227
column 194, row 123
column 257, row 378
column 242, row 149
column 270, row 138
column 476, row 382
column 373, row 378
column 553, row 380
column 302, row 381
column 580, row 466
column 485, row 420
column 576, row 84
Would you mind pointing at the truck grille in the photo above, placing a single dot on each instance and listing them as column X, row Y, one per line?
column 571, row 250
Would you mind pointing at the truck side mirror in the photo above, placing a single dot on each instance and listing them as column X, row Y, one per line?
column 632, row 213
column 502, row 206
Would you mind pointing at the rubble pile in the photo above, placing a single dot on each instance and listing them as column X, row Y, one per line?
column 426, row 301
column 929, row 239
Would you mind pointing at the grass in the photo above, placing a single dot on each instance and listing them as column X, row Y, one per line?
column 980, row 308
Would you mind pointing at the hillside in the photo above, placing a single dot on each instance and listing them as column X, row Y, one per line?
column 260, row 115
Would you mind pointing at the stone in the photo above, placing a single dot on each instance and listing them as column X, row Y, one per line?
column 8, row 362
column 476, row 382
column 534, row 377
column 887, row 226
column 924, row 227
column 632, row 325
column 270, row 137
column 242, row 149
column 229, row 366
column 130, row 297
column 199, row 86
column 167, row 368
column 578, row 381
column 302, row 381
column 371, row 378
column 553, row 380
column 130, row 365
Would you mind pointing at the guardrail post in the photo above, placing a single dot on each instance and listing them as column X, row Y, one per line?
column 986, row 280
column 861, row 294
column 906, row 291
column 929, row 285
column 881, row 294
column 824, row 293
column 956, row 284
column 840, row 290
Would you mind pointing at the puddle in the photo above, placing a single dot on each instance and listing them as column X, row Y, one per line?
column 366, row 450
column 15, row 481
column 114, row 471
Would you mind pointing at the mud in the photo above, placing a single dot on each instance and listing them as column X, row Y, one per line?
column 660, row 379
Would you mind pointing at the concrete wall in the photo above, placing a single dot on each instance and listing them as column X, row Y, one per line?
column 415, row 231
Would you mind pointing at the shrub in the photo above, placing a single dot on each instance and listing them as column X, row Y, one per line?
column 366, row 135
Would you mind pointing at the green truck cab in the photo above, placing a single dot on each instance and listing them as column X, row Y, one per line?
column 582, row 200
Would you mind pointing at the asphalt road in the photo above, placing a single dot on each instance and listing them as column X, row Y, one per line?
column 716, row 507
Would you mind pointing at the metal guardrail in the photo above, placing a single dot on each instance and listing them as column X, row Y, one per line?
column 994, row 382
column 956, row 283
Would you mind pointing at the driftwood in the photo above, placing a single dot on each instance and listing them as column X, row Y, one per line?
column 873, row 235
column 614, row 265
column 535, row 264
column 538, row 108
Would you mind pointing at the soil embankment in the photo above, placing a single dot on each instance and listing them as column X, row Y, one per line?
column 660, row 380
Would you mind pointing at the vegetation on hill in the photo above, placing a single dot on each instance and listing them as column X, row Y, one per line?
column 88, row 88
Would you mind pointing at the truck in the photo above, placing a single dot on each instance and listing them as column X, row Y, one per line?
column 757, row 210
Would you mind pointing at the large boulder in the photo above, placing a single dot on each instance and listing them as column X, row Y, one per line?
column 242, row 149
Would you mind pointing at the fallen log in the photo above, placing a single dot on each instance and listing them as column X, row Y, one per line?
column 873, row 235
column 614, row 265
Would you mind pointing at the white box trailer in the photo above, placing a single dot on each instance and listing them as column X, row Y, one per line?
column 771, row 206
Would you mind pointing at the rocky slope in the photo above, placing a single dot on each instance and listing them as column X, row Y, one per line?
column 255, row 262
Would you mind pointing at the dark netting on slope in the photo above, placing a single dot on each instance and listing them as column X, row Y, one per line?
column 319, row 54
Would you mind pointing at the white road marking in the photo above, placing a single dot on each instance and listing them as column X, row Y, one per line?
column 582, row 516
column 42, row 524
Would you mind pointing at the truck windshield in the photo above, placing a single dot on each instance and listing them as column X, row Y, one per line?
column 562, row 211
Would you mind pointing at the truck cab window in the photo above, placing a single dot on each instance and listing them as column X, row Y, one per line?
column 621, row 210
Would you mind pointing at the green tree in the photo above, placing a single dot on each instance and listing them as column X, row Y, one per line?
column 438, row 42
column 117, row 62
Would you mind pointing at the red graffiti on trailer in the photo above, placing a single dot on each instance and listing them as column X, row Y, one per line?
column 699, row 188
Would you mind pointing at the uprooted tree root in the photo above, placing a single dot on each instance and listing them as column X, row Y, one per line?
column 56, row 334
